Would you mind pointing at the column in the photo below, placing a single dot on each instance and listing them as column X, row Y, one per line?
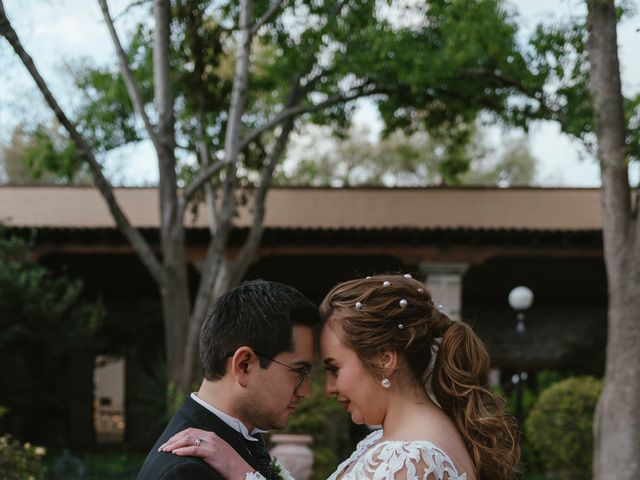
column 444, row 280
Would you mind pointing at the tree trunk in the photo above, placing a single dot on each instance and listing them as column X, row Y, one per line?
column 175, row 309
column 617, row 423
column 175, row 293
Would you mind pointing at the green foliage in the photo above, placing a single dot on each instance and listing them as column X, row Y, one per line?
column 112, row 466
column 560, row 427
column 45, row 328
column 401, row 159
column 530, row 459
column 19, row 461
column 436, row 71
column 48, row 153
column 324, row 419
column 41, row 155
column 558, row 53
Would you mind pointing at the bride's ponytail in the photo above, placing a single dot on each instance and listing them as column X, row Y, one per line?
column 395, row 312
column 460, row 384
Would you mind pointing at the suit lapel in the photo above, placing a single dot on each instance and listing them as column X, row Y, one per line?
column 202, row 418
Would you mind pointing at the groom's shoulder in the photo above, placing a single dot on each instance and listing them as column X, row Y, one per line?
column 167, row 466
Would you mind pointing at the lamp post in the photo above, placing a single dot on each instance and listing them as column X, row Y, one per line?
column 520, row 299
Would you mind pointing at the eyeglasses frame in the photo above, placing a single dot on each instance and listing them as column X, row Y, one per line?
column 304, row 371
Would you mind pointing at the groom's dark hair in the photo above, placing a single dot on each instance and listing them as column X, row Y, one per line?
column 258, row 314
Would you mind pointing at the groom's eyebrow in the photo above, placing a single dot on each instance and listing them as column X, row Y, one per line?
column 303, row 363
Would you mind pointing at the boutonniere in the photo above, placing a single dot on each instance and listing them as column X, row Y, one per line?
column 278, row 471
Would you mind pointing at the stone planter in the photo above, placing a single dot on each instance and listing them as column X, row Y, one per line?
column 293, row 452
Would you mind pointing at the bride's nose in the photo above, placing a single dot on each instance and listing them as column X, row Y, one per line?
column 330, row 385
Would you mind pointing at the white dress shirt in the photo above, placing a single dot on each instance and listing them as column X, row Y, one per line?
column 233, row 422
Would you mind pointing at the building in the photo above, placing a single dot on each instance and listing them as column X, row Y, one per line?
column 472, row 245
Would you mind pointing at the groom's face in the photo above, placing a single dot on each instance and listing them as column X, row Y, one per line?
column 278, row 389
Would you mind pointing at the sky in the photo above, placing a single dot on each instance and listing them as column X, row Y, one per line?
column 58, row 33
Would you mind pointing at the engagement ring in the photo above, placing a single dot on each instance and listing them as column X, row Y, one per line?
column 198, row 441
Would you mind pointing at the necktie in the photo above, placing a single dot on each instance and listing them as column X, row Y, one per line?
column 260, row 455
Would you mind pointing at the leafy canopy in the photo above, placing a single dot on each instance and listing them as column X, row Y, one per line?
column 428, row 66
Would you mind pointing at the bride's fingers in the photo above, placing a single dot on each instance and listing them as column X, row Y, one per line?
column 178, row 441
column 191, row 451
column 191, row 437
column 203, row 450
column 184, row 438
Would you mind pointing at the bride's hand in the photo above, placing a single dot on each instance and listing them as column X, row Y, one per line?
column 194, row 442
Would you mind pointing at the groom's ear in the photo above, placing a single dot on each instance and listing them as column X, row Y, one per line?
column 387, row 361
column 242, row 362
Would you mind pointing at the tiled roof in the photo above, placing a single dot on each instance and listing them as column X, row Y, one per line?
column 556, row 209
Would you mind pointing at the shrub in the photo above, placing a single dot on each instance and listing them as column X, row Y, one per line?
column 560, row 427
column 47, row 334
column 324, row 419
column 19, row 461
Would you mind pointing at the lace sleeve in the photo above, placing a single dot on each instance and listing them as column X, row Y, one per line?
column 407, row 461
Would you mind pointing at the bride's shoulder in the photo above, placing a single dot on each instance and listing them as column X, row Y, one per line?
column 412, row 459
column 370, row 440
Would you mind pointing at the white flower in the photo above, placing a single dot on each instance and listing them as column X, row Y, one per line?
column 284, row 474
column 278, row 469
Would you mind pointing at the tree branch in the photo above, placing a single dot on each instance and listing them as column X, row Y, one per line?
column 130, row 7
column 237, row 105
column 203, row 176
column 311, row 82
column 266, row 17
column 205, row 160
column 302, row 109
column 132, row 234
column 212, row 269
column 500, row 79
column 248, row 250
column 127, row 75
column 240, row 84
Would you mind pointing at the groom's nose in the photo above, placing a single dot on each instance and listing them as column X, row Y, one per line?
column 304, row 389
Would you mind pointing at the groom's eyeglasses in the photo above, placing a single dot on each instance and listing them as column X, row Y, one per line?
column 302, row 372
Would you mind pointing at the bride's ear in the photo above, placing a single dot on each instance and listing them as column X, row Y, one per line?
column 387, row 361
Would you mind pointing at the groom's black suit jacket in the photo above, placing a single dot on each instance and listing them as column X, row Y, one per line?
column 167, row 466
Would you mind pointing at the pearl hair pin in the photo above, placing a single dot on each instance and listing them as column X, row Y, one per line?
column 403, row 303
column 421, row 290
column 359, row 305
column 386, row 283
column 407, row 276
column 400, row 326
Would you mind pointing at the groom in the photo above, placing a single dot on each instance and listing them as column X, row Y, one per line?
column 257, row 349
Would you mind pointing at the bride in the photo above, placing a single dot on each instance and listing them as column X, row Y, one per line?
column 394, row 359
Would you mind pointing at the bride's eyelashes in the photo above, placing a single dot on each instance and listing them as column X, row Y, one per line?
column 331, row 369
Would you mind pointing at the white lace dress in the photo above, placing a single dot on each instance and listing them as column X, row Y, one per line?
column 395, row 459
column 391, row 460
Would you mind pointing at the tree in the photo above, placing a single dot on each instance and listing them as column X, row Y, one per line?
column 48, row 340
column 399, row 159
column 580, row 59
column 306, row 59
column 617, row 424
column 41, row 156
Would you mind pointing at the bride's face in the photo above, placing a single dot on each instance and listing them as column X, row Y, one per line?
column 347, row 377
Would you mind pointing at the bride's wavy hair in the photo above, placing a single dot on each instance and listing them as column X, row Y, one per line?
column 445, row 356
